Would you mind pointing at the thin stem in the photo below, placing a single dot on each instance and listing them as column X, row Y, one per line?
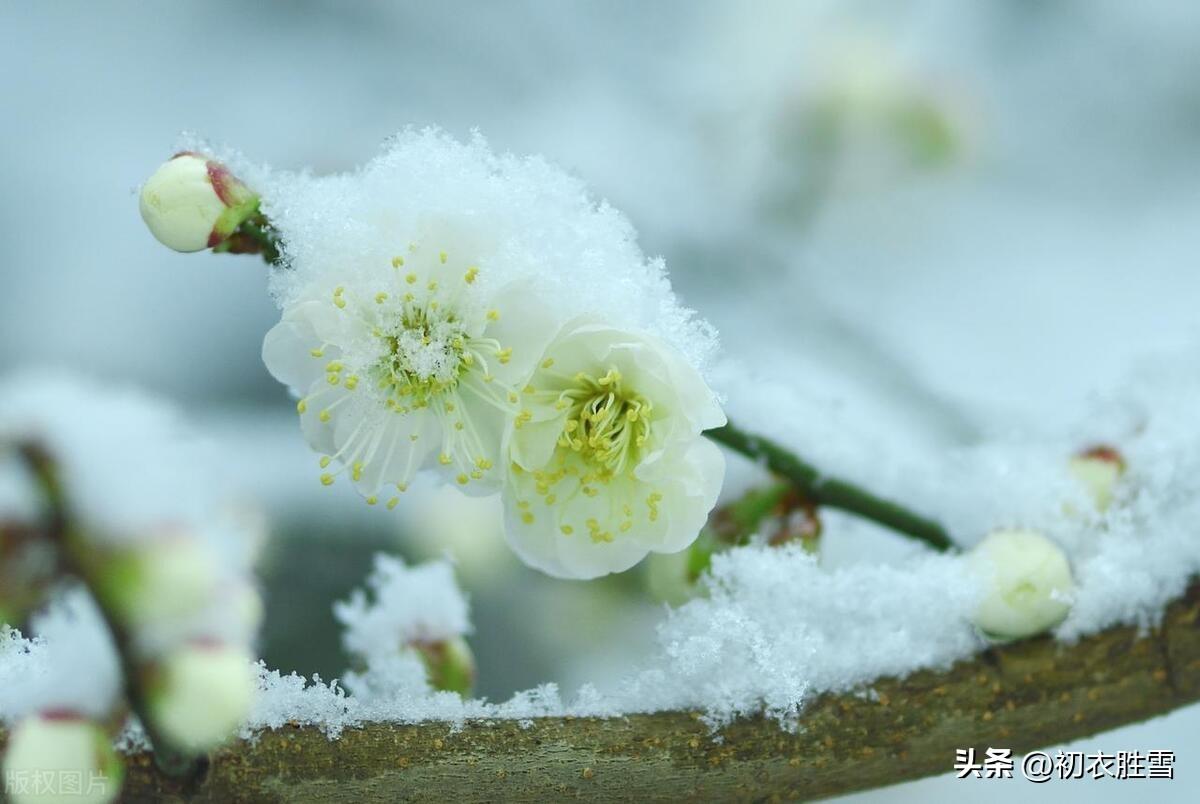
column 831, row 491
column 61, row 531
column 255, row 235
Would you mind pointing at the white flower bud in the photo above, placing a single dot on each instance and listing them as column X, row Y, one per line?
column 168, row 579
column 201, row 694
column 1027, row 583
column 61, row 757
column 1099, row 469
column 192, row 203
column 449, row 664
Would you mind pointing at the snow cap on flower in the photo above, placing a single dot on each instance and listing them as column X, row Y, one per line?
column 421, row 294
column 606, row 458
column 1099, row 469
column 1027, row 583
column 72, row 753
column 192, row 203
column 200, row 694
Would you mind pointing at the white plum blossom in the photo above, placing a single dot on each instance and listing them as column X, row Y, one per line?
column 419, row 293
column 415, row 363
column 606, row 459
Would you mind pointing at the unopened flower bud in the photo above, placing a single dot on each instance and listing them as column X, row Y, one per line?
column 1027, row 583
column 200, row 694
column 164, row 580
column 192, row 203
column 61, row 757
column 1098, row 469
column 449, row 664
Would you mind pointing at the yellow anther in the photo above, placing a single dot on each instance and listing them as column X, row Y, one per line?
column 476, row 474
column 356, row 472
column 397, row 261
column 325, row 461
column 301, row 406
column 392, row 503
column 625, row 526
column 567, row 530
column 548, row 362
column 527, row 517
column 551, row 499
column 380, row 297
column 432, row 284
column 334, row 367
column 483, row 463
column 512, row 397
column 326, row 479
column 504, row 355
column 462, row 480
column 442, row 257
column 351, row 382
column 333, row 379
column 317, row 352
column 340, row 303
column 325, row 415
column 523, row 503
column 372, row 500
column 470, row 275
column 413, row 437
column 444, row 459
column 411, row 279
column 493, row 315
column 401, row 487
column 339, row 290
column 449, row 407
column 459, row 425
column 408, row 297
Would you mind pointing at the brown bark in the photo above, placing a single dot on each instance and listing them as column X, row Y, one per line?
column 1021, row 696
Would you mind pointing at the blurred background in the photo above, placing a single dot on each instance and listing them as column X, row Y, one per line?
column 946, row 220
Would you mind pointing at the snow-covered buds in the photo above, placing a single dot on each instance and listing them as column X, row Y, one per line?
column 61, row 757
column 1027, row 584
column 192, row 203
column 416, row 611
column 1099, row 469
column 200, row 694
column 129, row 510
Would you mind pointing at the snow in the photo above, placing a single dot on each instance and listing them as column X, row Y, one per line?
column 417, row 604
column 521, row 218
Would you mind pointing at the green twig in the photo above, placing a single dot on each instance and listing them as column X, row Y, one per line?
column 830, row 491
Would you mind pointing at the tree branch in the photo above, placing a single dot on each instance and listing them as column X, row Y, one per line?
column 1021, row 696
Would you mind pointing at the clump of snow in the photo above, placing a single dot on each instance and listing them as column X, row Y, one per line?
column 126, row 457
column 526, row 219
column 404, row 604
column 68, row 663
column 777, row 629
